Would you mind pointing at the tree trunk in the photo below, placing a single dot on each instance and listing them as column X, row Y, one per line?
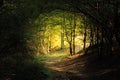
column 74, row 26
column 50, row 42
column 62, row 32
column 91, row 35
column 85, row 34
column 62, row 38
column 70, row 44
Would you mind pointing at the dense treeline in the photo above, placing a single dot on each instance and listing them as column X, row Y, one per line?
column 17, row 15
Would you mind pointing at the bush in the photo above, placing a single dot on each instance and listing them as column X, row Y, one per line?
column 32, row 71
column 18, row 68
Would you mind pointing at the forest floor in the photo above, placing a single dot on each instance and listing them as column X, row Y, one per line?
column 82, row 67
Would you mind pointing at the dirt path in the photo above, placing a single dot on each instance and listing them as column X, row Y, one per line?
column 67, row 69
column 79, row 67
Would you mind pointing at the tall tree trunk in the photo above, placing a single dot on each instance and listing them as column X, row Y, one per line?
column 70, row 44
column 91, row 35
column 101, row 43
column 98, row 29
column 62, row 38
column 71, row 36
column 85, row 34
column 98, row 40
column 49, row 41
column 62, row 32
column 71, row 33
column 74, row 26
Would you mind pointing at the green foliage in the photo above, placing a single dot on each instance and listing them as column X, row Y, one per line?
column 19, row 67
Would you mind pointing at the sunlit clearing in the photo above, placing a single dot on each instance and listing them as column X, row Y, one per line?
column 55, row 55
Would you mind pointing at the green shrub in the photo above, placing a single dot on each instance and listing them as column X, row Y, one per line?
column 18, row 68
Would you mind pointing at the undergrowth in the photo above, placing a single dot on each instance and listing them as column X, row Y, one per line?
column 21, row 67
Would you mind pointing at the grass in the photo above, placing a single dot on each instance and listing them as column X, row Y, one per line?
column 57, row 55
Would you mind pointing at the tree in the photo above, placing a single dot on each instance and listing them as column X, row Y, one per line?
column 62, row 32
column 85, row 34
column 74, row 27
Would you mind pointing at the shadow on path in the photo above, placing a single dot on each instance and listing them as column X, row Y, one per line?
column 80, row 67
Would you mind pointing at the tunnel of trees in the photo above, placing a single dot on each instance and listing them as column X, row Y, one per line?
column 29, row 28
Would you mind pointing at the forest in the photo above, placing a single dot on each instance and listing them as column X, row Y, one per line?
column 59, row 39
